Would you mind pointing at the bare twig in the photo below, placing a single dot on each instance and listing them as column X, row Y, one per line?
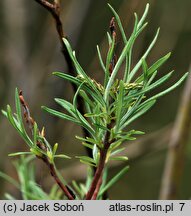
column 176, row 153
column 54, row 9
column 30, row 122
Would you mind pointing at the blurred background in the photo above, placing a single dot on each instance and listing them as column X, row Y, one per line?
column 30, row 52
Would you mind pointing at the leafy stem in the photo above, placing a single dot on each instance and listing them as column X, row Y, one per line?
column 37, row 142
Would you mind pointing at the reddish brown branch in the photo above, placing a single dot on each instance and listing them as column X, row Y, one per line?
column 54, row 9
column 58, row 181
column 97, row 175
column 94, row 197
column 30, row 122
column 101, row 165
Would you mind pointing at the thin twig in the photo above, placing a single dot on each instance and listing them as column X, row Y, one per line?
column 174, row 166
column 54, row 9
column 30, row 122
column 64, row 188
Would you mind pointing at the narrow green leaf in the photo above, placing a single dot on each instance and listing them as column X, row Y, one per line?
column 87, row 163
column 11, row 119
column 145, row 70
column 86, row 158
column 60, row 115
column 102, row 114
column 158, row 82
column 155, row 66
column 95, row 154
column 158, row 64
column 86, row 98
column 119, row 158
column 4, row 113
column 129, row 54
column 109, row 38
column 66, row 105
column 100, row 59
column 131, row 110
column 143, row 17
column 81, row 138
column 152, row 86
column 128, row 66
column 55, row 148
column 117, row 151
column 18, row 108
column 19, row 153
column 119, row 104
column 90, row 146
column 135, row 132
column 142, row 110
column 17, row 126
column 83, row 121
column 35, row 133
column 62, row 156
column 115, row 145
column 152, row 78
column 138, row 65
column 92, row 140
column 119, row 23
column 167, row 90
column 9, row 196
column 20, row 123
column 114, row 180
column 68, row 77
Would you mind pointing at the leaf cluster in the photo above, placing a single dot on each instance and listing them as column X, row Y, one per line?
column 114, row 102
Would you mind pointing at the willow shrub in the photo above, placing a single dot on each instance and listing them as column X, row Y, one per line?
column 111, row 106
